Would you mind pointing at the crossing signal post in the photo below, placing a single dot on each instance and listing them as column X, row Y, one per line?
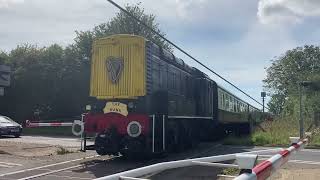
column 263, row 95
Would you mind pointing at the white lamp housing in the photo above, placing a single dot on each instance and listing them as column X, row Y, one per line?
column 294, row 139
column 246, row 161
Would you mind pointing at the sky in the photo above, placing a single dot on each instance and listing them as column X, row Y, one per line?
column 237, row 39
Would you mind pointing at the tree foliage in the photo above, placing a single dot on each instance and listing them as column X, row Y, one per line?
column 122, row 24
column 284, row 75
column 54, row 80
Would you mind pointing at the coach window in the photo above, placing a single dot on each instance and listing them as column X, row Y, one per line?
column 233, row 104
column 227, row 102
column 223, row 101
column 230, row 104
column 220, row 99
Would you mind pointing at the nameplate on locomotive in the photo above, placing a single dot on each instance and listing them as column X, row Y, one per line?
column 116, row 107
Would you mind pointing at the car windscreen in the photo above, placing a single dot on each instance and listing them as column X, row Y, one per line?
column 5, row 120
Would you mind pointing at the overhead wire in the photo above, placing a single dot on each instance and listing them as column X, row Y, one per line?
column 183, row 51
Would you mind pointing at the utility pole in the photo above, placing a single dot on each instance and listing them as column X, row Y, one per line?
column 300, row 111
column 263, row 95
column 313, row 85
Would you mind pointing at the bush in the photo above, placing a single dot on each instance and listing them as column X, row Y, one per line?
column 261, row 139
column 62, row 151
column 275, row 133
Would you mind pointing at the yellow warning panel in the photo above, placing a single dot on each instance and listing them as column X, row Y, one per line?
column 118, row 67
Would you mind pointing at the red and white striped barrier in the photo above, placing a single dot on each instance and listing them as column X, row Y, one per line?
column 151, row 169
column 265, row 169
column 47, row 124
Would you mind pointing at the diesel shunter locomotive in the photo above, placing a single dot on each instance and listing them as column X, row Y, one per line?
column 146, row 100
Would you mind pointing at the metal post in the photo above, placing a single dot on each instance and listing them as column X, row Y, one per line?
column 83, row 137
column 153, row 128
column 84, row 142
column 163, row 133
column 301, row 116
column 263, row 104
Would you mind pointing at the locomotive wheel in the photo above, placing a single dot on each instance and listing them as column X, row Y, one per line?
column 107, row 143
column 100, row 146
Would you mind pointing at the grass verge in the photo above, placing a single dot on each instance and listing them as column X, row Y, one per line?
column 276, row 133
column 62, row 151
column 231, row 171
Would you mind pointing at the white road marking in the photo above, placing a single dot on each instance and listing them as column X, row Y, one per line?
column 10, row 164
column 50, row 165
column 305, row 162
column 51, row 172
column 310, row 150
column 69, row 177
column 5, row 166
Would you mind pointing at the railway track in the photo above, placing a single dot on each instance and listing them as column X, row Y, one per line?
column 96, row 166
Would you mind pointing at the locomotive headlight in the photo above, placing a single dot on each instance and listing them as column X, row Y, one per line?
column 88, row 107
column 134, row 129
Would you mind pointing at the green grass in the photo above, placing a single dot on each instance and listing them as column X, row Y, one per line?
column 231, row 171
column 276, row 133
column 54, row 131
column 62, row 151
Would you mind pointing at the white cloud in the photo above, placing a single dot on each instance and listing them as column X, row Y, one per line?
column 287, row 11
column 8, row 3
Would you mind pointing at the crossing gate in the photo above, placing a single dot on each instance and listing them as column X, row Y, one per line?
column 246, row 162
column 72, row 125
column 30, row 124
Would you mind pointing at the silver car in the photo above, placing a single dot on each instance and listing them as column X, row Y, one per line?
column 9, row 127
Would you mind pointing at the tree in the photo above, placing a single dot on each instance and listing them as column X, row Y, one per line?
column 121, row 24
column 55, row 80
column 276, row 103
column 3, row 57
column 284, row 75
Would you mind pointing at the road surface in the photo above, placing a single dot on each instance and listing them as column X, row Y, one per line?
column 88, row 165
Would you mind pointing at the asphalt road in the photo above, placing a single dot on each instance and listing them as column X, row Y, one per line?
column 89, row 166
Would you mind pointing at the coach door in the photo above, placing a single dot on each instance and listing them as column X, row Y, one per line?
column 158, row 119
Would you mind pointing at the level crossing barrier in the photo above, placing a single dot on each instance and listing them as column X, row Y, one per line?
column 80, row 132
column 30, row 124
column 266, row 168
column 246, row 162
column 245, row 158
